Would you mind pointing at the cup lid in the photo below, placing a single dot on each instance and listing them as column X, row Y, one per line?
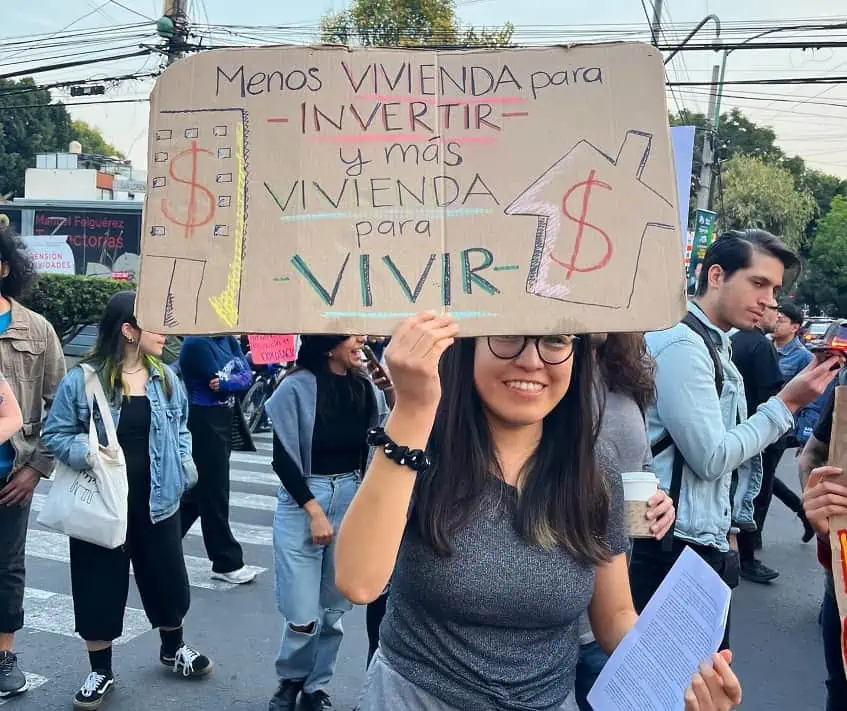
column 639, row 477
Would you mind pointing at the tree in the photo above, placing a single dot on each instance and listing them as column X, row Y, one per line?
column 28, row 126
column 407, row 23
column 760, row 194
column 825, row 285
column 92, row 140
column 824, row 188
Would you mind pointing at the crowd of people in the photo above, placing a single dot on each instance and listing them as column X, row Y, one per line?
column 467, row 490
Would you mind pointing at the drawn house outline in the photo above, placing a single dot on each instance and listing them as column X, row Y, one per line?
column 530, row 202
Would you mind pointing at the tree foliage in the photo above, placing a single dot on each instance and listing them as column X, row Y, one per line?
column 407, row 23
column 30, row 124
column 71, row 303
column 92, row 140
column 760, row 194
column 27, row 127
column 825, row 286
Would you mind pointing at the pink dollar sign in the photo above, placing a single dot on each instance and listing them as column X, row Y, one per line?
column 193, row 217
column 570, row 267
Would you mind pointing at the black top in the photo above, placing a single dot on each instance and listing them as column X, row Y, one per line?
column 134, row 438
column 756, row 359
column 343, row 413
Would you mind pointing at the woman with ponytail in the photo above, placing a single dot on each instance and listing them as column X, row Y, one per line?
column 150, row 410
column 321, row 413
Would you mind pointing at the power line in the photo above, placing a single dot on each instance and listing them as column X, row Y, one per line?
column 68, row 65
column 77, row 103
column 129, row 9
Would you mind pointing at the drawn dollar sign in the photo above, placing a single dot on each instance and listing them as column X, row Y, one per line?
column 571, row 266
column 193, row 218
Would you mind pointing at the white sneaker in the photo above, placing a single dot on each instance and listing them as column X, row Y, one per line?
column 237, row 577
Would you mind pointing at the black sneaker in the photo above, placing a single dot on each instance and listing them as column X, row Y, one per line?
column 12, row 679
column 285, row 698
column 757, row 572
column 317, row 701
column 189, row 663
column 94, row 689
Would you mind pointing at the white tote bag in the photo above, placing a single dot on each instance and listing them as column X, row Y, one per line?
column 91, row 505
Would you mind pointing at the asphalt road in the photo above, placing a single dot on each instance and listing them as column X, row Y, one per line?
column 775, row 632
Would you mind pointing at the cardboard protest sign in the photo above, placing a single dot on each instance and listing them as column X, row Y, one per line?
column 838, row 524
column 272, row 349
column 327, row 190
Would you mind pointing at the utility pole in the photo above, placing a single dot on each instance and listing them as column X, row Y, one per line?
column 174, row 27
column 704, row 193
column 656, row 25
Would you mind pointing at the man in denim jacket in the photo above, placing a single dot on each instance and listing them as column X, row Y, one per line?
column 741, row 274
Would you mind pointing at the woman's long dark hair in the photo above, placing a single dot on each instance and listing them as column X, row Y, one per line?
column 627, row 367
column 21, row 275
column 563, row 499
column 313, row 356
column 108, row 354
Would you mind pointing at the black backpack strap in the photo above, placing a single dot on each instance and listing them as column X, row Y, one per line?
column 696, row 325
column 666, row 441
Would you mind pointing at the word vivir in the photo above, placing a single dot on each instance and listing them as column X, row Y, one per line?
column 412, row 288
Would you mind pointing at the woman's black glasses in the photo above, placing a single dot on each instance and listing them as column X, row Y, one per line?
column 553, row 350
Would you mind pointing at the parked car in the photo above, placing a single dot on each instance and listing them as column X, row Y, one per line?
column 813, row 331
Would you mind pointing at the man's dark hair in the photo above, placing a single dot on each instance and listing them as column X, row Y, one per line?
column 21, row 274
column 734, row 250
column 793, row 312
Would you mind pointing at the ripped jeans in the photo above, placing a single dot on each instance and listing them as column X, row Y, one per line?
column 310, row 604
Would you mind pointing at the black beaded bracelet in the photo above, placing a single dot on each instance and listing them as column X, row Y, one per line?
column 415, row 459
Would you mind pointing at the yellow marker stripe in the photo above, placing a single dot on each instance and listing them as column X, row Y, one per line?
column 226, row 303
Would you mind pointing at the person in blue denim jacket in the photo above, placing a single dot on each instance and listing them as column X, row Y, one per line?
column 793, row 355
column 150, row 411
column 742, row 272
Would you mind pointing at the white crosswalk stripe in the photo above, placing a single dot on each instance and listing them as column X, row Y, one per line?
column 52, row 612
column 54, row 546
column 47, row 611
column 35, row 680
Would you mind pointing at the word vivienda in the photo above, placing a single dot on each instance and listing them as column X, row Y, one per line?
column 423, row 79
column 439, row 191
column 433, row 191
column 410, row 289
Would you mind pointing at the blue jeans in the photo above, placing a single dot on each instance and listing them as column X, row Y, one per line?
column 836, row 685
column 592, row 659
column 305, row 584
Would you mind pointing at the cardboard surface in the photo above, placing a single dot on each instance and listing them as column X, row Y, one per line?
column 326, row 190
column 838, row 524
column 272, row 349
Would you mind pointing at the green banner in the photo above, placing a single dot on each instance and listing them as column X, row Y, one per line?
column 704, row 235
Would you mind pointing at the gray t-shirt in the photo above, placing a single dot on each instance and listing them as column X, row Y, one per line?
column 623, row 442
column 494, row 626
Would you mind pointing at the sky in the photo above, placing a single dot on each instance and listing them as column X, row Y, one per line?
column 809, row 120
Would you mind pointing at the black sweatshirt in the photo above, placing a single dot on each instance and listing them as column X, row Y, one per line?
column 343, row 411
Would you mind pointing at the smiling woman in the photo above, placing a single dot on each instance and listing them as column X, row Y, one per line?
column 498, row 528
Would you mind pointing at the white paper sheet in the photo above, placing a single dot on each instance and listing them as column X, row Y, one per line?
column 682, row 626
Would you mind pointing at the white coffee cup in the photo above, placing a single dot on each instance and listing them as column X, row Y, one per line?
column 639, row 486
column 638, row 489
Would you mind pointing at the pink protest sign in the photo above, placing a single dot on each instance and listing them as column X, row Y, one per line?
column 272, row 349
